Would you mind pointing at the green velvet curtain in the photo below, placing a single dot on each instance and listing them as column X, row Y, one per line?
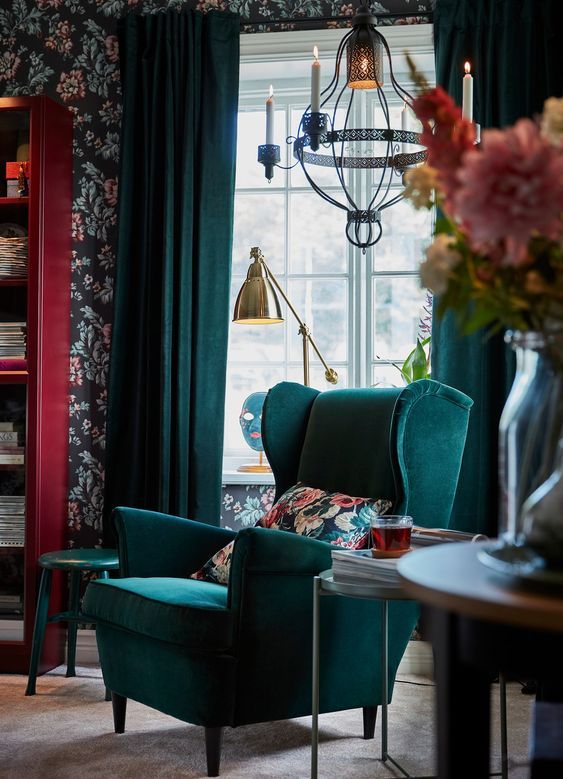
column 176, row 188
column 515, row 50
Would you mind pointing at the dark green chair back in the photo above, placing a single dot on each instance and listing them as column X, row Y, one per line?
column 403, row 444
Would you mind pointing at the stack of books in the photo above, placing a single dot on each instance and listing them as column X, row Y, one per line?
column 12, row 339
column 360, row 566
column 12, row 520
column 356, row 567
column 10, row 603
column 11, row 450
column 13, row 257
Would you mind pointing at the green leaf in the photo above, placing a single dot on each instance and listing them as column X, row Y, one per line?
column 416, row 364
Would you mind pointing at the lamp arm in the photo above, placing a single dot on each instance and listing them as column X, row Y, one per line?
column 330, row 374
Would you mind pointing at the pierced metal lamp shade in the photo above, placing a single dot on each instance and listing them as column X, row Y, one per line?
column 257, row 301
column 364, row 55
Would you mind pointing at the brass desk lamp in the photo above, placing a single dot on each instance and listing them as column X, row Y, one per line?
column 258, row 304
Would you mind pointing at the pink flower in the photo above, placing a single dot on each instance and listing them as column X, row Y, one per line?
column 9, row 63
column 106, row 334
column 510, row 189
column 110, row 191
column 77, row 226
column 71, row 85
column 112, row 48
column 76, row 371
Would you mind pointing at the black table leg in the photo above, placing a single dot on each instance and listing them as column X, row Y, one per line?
column 463, row 749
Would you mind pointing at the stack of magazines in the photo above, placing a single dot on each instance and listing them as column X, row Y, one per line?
column 12, row 520
column 12, row 339
column 360, row 566
column 13, row 257
column 356, row 566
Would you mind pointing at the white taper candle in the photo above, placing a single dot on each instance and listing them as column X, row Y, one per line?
column 270, row 105
column 467, row 104
column 315, row 82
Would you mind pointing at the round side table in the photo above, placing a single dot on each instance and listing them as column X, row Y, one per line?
column 75, row 562
column 324, row 583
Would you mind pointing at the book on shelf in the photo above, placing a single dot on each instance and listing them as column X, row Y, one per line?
column 11, row 459
column 6, row 427
column 6, row 597
column 356, row 566
column 8, row 437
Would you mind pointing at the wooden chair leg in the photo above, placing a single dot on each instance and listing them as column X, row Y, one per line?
column 370, row 717
column 119, row 706
column 213, row 741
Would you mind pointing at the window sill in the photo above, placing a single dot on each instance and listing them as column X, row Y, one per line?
column 243, row 477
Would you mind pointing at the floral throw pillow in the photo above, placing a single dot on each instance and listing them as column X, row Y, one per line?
column 218, row 567
column 326, row 516
column 307, row 511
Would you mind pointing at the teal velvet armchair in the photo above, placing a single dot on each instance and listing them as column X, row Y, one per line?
column 221, row 656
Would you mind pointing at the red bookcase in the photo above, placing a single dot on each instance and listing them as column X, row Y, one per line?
column 34, row 401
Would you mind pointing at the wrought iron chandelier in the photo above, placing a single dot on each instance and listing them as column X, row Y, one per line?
column 319, row 144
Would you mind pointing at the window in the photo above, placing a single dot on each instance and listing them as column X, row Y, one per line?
column 363, row 310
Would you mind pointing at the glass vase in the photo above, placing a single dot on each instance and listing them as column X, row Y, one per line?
column 530, row 425
column 542, row 517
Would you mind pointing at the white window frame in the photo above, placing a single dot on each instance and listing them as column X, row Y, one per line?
column 287, row 47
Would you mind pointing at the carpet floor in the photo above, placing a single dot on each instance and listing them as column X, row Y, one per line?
column 66, row 731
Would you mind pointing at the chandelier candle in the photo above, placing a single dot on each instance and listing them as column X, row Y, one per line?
column 315, row 82
column 270, row 117
column 467, row 104
column 404, row 125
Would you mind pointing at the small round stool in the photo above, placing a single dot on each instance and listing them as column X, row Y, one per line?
column 75, row 561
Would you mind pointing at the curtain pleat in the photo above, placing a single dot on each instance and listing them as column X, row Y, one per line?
column 176, row 191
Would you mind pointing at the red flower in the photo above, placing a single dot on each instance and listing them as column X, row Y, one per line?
column 437, row 106
column 447, row 138
column 306, row 496
column 345, row 501
column 272, row 516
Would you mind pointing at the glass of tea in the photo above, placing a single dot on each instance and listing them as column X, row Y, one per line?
column 390, row 535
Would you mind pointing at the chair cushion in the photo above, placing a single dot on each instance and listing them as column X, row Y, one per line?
column 180, row 611
column 325, row 516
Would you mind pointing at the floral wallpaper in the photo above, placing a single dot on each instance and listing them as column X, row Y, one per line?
column 243, row 505
column 68, row 50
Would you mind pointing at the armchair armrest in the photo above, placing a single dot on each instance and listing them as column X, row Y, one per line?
column 267, row 552
column 155, row 544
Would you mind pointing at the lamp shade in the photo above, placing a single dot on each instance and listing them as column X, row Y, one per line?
column 257, row 301
column 364, row 55
column 365, row 64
